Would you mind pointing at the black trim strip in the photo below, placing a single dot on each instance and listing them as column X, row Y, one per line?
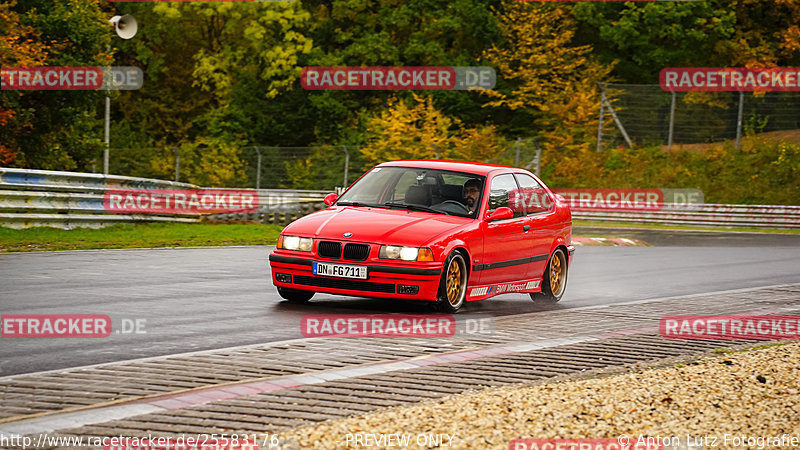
column 290, row 260
column 383, row 269
column 509, row 263
column 344, row 283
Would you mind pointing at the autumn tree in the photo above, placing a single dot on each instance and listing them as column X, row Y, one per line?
column 547, row 76
column 18, row 47
column 418, row 130
column 50, row 129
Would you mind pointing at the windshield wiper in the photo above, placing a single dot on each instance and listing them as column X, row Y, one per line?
column 413, row 207
column 354, row 204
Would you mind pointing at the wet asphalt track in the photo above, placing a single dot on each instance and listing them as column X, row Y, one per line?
column 208, row 298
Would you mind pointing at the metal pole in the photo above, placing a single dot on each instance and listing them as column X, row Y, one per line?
column 671, row 121
column 107, row 134
column 616, row 119
column 436, row 150
column 258, row 168
column 600, row 123
column 346, row 165
column 107, row 126
column 516, row 157
column 177, row 164
column 537, row 160
column 739, row 121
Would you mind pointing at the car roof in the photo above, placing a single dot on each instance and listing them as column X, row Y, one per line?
column 458, row 166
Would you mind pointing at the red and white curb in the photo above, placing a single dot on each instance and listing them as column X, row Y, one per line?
column 612, row 242
column 172, row 401
column 99, row 414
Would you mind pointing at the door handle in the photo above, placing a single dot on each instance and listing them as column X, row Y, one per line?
column 526, row 227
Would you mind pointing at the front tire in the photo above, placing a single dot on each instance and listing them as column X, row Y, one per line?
column 453, row 285
column 555, row 279
column 295, row 296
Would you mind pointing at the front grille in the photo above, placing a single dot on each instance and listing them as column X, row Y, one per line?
column 356, row 252
column 330, row 249
column 350, row 285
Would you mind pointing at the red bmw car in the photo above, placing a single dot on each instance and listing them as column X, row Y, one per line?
column 442, row 231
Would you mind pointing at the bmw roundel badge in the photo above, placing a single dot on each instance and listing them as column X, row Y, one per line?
column 348, row 234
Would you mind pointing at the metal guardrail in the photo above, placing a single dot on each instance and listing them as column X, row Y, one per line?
column 72, row 199
column 707, row 215
column 278, row 206
column 30, row 198
column 53, row 181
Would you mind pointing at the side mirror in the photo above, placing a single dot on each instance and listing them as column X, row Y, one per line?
column 331, row 199
column 501, row 213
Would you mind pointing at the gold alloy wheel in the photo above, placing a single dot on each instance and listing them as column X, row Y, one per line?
column 454, row 282
column 556, row 274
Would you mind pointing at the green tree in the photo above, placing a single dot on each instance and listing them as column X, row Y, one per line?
column 646, row 37
column 211, row 70
column 51, row 129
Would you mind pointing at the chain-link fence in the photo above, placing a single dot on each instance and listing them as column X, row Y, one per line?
column 255, row 166
column 269, row 167
column 649, row 115
column 632, row 115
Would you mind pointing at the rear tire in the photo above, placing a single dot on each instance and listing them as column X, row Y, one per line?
column 555, row 279
column 295, row 296
column 453, row 285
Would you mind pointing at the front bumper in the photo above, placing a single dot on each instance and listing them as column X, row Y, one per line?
column 384, row 280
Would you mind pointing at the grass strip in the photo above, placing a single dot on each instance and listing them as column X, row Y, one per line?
column 140, row 235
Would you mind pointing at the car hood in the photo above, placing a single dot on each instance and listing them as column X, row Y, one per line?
column 378, row 225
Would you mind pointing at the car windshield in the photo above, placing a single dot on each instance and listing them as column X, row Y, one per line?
column 416, row 189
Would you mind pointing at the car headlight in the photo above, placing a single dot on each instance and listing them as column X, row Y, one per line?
column 300, row 244
column 405, row 253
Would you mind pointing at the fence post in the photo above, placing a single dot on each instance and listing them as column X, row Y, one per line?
column 436, row 151
column 739, row 121
column 258, row 168
column 346, row 165
column 671, row 121
column 604, row 99
column 600, row 123
column 537, row 160
column 107, row 134
column 177, row 164
column 516, row 156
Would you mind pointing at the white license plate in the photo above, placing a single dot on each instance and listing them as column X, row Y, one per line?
column 339, row 270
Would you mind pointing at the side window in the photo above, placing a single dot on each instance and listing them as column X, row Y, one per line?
column 502, row 190
column 532, row 195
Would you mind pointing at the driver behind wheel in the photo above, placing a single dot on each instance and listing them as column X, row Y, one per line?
column 472, row 190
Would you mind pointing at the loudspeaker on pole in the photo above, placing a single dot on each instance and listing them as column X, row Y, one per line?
column 125, row 26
